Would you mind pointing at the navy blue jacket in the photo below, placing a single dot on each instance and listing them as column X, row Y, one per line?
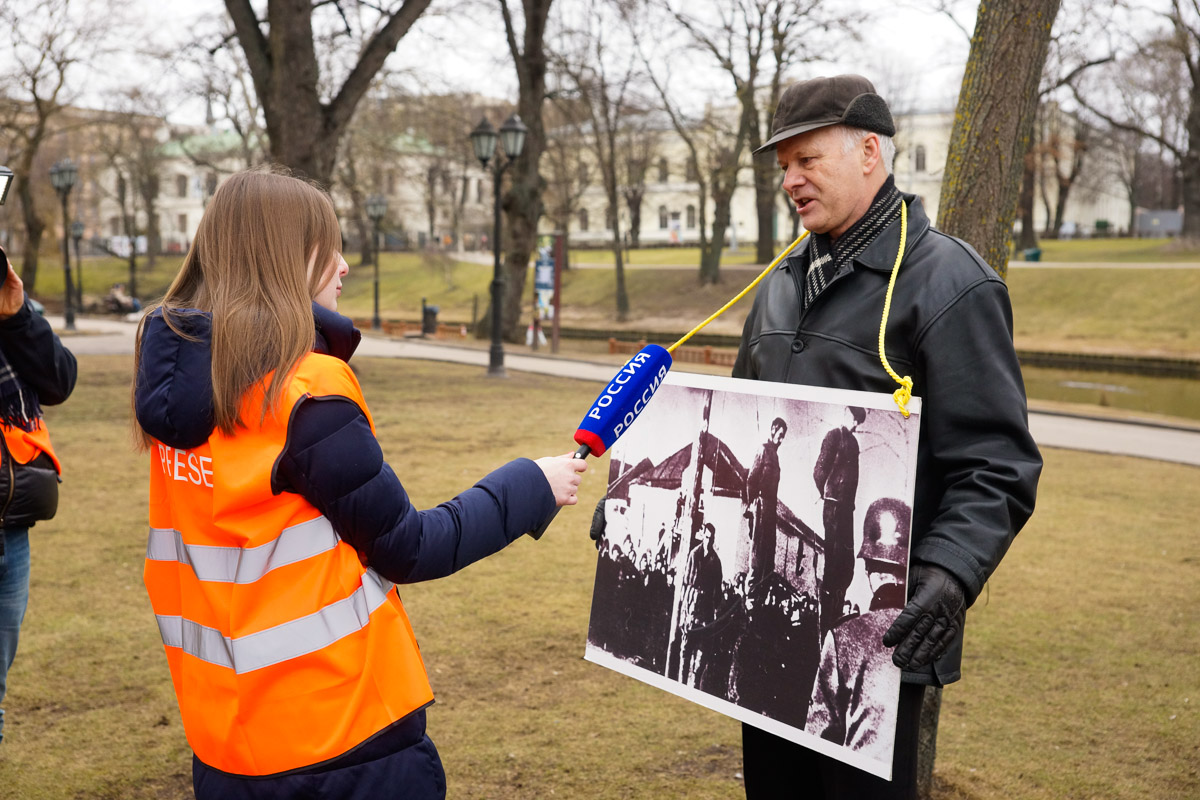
column 334, row 461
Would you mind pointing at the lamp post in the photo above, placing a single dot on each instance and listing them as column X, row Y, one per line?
column 512, row 138
column 376, row 209
column 77, row 236
column 62, row 178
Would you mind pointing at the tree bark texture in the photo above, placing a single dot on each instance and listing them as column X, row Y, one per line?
column 523, row 202
column 993, row 124
column 1025, row 203
column 766, row 189
column 304, row 131
column 34, row 227
column 931, row 709
column 1189, row 167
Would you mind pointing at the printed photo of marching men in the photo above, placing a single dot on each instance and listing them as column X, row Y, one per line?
column 755, row 551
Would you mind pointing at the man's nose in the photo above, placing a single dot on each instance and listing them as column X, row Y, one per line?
column 791, row 179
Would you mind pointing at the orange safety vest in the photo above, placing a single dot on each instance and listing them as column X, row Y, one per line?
column 285, row 651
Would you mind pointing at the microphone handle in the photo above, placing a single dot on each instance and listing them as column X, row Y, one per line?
column 582, row 452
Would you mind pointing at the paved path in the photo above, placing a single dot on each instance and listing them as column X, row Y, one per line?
column 112, row 336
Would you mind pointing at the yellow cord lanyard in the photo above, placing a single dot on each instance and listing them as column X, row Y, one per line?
column 901, row 395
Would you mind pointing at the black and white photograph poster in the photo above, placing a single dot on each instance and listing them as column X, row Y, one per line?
column 755, row 551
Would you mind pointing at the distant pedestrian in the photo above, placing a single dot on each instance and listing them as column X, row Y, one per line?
column 35, row 370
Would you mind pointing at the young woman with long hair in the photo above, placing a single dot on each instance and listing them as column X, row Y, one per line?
column 277, row 530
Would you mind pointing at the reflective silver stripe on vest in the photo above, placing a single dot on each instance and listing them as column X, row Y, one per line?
column 283, row 642
column 243, row 565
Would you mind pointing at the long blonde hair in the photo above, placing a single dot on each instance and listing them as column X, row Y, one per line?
column 248, row 268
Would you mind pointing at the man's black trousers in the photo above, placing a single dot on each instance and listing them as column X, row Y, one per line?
column 776, row 768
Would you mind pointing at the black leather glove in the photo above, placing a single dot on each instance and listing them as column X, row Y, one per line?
column 597, row 531
column 931, row 620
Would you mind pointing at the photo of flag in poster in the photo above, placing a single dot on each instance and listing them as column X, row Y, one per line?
column 755, row 551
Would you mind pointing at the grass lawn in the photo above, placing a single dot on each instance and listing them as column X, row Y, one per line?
column 1118, row 250
column 99, row 274
column 1107, row 310
column 1082, row 676
column 1095, row 309
column 664, row 256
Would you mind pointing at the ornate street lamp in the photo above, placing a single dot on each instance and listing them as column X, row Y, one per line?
column 512, row 139
column 62, row 177
column 376, row 209
column 77, row 236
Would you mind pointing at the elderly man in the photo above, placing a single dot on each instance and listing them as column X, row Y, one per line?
column 816, row 321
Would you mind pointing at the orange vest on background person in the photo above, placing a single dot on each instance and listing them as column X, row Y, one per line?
column 285, row 651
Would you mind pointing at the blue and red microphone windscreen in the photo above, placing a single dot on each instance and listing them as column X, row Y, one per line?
column 623, row 399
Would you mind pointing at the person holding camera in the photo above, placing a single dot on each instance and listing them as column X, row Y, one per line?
column 35, row 370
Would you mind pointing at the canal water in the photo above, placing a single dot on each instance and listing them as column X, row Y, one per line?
column 1176, row 397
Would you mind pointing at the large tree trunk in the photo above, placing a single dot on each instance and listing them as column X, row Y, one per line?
column 710, row 257
column 1025, row 203
column 34, row 227
column 993, row 123
column 1060, row 206
column 766, row 184
column 523, row 203
column 1189, row 166
column 153, row 235
column 622, row 293
column 304, row 131
column 634, row 202
column 931, row 708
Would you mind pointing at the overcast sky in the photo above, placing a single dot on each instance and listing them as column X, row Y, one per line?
column 914, row 55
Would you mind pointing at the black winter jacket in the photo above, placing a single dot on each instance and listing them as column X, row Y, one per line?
column 38, row 357
column 950, row 329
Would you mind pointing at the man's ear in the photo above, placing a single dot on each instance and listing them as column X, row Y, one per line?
column 871, row 152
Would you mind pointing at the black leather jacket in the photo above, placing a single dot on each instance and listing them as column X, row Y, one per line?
column 950, row 329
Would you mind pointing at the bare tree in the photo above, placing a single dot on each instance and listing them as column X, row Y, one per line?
column 601, row 81
column 50, row 41
column 993, row 124
column 724, row 147
column 569, row 174
column 1159, row 99
column 689, row 133
column 523, row 202
column 637, row 147
column 304, row 126
column 740, row 35
column 988, row 142
column 221, row 76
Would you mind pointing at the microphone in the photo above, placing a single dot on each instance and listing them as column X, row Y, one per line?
column 626, row 396
column 620, row 403
column 624, row 399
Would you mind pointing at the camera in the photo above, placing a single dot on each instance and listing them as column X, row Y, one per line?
column 6, row 180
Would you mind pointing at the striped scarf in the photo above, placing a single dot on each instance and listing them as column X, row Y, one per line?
column 19, row 406
column 826, row 257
